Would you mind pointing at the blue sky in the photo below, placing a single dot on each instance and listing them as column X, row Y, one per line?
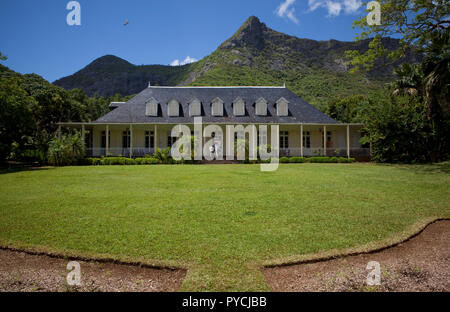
column 36, row 38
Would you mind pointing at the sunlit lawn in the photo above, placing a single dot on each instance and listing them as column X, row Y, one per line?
column 220, row 221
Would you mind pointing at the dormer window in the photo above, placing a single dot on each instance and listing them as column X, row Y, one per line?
column 282, row 107
column 173, row 108
column 195, row 107
column 261, row 107
column 217, row 107
column 151, row 107
column 239, row 107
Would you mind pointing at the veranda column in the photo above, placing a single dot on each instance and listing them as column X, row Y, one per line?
column 107, row 141
column 301, row 140
column 348, row 141
column 156, row 137
column 131, row 141
column 324, row 140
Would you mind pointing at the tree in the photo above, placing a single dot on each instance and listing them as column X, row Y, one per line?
column 347, row 109
column 32, row 108
column 420, row 24
column 396, row 127
column 3, row 57
column 423, row 26
column 15, row 116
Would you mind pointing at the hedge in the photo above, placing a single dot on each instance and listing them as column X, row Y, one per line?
column 330, row 160
column 112, row 161
column 297, row 160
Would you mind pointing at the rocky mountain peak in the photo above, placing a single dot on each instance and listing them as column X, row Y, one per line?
column 250, row 33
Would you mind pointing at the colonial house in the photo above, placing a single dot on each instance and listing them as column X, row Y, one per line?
column 144, row 123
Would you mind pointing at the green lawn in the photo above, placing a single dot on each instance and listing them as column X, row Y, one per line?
column 220, row 221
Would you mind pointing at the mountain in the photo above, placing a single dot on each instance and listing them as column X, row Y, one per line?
column 110, row 74
column 254, row 55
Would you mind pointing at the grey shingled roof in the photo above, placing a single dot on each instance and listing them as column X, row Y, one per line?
column 133, row 111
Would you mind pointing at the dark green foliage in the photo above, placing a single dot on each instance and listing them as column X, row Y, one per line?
column 346, row 110
column 121, row 161
column 298, row 160
column 420, row 24
column 330, row 160
column 16, row 119
column 318, row 159
column 31, row 109
column 411, row 124
column 163, row 155
column 65, row 151
column 344, row 160
column 400, row 131
column 110, row 75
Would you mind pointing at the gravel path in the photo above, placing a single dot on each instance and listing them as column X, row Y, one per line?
column 24, row 272
column 420, row 264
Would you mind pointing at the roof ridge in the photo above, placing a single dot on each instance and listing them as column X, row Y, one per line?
column 219, row 87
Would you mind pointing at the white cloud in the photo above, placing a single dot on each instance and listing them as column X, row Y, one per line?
column 351, row 6
column 335, row 7
column 314, row 4
column 286, row 10
column 187, row 60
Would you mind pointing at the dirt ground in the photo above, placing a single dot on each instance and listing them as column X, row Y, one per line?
column 420, row 264
column 21, row 272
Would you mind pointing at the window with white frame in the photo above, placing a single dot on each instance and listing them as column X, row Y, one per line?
column 307, row 139
column 217, row 107
column 282, row 107
column 103, row 140
column 239, row 107
column 262, row 138
column 261, row 107
column 329, row 139
column 284, row 139
column 173, row 108
column 149, row 139
column 170, row 139
column 151, row 107
column 126, row 139
column 195, row 107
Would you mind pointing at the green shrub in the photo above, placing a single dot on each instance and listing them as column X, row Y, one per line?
column 130, row 161
column 330, row 160
column 152, row 161
column 65, row 151
column 163, row 155
column 139, row 161
column 318, row 159
column 284, row 160
column 92, row 161
column 29, row 155
column 297, row 160
column 344, row 160
column 333, row 160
